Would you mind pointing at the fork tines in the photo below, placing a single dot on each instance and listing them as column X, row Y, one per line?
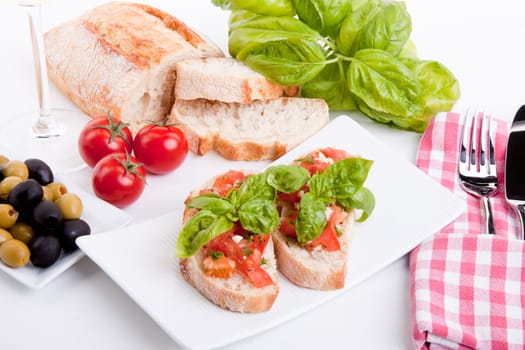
column 477, row 158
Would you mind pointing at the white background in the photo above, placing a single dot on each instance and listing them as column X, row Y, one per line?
column 482, row 42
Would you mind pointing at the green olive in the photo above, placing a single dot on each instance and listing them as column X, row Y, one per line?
column 4, row 236
column 22, row 231
column 57, row 189
column 3, row 159
column 14, row 253
column 48, row 194
column 70, row 205
column 7, row 184
column 8, row 215
column 15, row 168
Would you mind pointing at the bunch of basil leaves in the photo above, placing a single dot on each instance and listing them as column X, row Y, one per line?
column 355, row 54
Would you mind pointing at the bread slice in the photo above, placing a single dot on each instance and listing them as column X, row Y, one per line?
column 235, row 293
column 222, row 79
column 316, row 269
column 257, row 131
column 120, row 57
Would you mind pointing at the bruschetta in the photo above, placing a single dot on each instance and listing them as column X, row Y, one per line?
column 225, row 246
column 311, row 244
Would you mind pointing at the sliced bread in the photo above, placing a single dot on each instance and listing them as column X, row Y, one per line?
column 222, row 79
column 314, row 268
column 257, row 131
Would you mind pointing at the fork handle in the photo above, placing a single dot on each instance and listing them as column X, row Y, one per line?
column 520, row 210
column 489, row 217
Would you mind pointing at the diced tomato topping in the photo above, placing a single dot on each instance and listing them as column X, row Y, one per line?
column 335, row 154
column 247, row 254
column 287, row 224
column 318, row 161
column 221, row 267
column 328, row 238
column 224, row 183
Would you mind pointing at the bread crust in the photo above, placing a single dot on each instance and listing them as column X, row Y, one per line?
column 236, row 293
column 120, row 58
column 315, row 269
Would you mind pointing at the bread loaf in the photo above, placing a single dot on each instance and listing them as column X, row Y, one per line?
column 257, row 131
column 120, row 58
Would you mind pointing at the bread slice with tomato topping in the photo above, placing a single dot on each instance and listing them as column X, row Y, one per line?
column 315, row 229
column 232, row 267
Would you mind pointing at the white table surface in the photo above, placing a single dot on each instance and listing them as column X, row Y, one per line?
column 482, row 42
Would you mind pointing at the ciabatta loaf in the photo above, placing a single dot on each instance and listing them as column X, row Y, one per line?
column 120, row 57
column 256, row 131
column 235, row 292
column 222, row 79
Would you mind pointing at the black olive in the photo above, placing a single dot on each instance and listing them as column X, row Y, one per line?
column 47, row 217
column 39, row 170
column 71, row 230
column 25, row 195
column 45, row 251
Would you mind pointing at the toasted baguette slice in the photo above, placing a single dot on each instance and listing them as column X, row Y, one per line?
column 317, row 268
column 120, row 57
column 235, row 293
column 222, row 79
column 257, row 131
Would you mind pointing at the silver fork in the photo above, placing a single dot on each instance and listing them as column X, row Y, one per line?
column 477, row 162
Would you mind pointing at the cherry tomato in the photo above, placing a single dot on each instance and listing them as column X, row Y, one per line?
column 102, row 136
column 119, row 179
column 160, row 147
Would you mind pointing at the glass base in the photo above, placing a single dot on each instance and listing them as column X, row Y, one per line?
column 60, row 152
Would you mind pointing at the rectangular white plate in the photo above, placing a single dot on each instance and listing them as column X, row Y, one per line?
column 140, row 258
column 100, row 215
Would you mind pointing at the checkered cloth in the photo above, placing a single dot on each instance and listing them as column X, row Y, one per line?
column 467, row 289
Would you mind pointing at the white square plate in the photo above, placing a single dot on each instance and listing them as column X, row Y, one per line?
column 100, row 215
column 410, row 206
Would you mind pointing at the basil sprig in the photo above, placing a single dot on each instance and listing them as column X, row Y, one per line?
column 252, row 204
column 341, row 184
column 357, row 55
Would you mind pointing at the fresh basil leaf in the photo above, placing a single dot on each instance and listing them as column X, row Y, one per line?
column 211, row 202
column 330, row 85
column 287, row 178
column 287, row 62
column 265, row 7
column 311, row 219
column 439, row 88
column 199, row 230
column 384, row 83
column 322, row 187
column 259, row 216
column 363, row 199
column 347, row 175
column 415, row 123
column 246, row 30
column 388, row 30
column 354, row 22
column 254, row 187
column 322, row 15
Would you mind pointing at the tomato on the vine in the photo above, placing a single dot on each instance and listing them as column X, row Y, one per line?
column 160, row 147
column 102, row 136
column 119, row 179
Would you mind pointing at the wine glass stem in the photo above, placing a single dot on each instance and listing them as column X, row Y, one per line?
column 46, row 125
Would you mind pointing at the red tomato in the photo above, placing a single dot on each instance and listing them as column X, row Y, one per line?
column 160, row 147
column 246, row 254
column 328, row 238
column 102, row 136
column 119, row 179
column 315, row 162
column 224, row 183
column 287, row 224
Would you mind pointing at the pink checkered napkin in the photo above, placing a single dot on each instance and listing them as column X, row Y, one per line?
column 467, row 287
